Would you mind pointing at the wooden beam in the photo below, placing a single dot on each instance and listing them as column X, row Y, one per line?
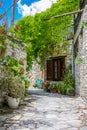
column 2, row 15
column 65, row 14
column 13, row 12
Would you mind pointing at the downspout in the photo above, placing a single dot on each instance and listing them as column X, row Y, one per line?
column 73, row 51
column 73, row 63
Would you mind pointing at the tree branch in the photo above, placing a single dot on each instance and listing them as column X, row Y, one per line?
column 2, row 15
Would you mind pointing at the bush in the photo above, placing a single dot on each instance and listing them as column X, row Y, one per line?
column 46, row 86
column 16, row 87
column 26, row 81
column 69, row 84
column 60, row 87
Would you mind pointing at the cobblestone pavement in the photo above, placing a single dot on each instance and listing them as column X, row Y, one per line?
column 43, row 111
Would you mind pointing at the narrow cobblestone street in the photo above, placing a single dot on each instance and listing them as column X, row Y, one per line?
column 46, row 111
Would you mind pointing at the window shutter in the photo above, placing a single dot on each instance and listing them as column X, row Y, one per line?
column 59, row 70
column 50, row 70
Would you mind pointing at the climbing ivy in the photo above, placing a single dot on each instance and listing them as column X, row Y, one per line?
column 41, row 35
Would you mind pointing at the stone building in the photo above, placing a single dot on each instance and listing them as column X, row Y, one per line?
column 54, row 64
column 80, row 47
column 59, row 59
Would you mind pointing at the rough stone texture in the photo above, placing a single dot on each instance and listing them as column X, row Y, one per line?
column 46, row 111
column 78, row 66
column 68, row 59
column 35, row 73
column 81, row 69
column 60, row 51
column 18, row 53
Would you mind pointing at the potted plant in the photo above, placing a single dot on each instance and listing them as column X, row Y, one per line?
column 12, row 83
column 53, row 88
column 3, row 88
column 16, row 90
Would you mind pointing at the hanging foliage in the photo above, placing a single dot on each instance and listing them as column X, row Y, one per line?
column 41, row 36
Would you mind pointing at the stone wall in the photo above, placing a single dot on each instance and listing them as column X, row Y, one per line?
column 81, row 68
column 60, row 51
column 78, row 65
column 35, row 73
column 17, row 52
column 68, row 59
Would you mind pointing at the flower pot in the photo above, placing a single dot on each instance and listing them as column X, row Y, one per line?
column 13, row 102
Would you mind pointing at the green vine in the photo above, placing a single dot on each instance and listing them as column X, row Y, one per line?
column 41, row 36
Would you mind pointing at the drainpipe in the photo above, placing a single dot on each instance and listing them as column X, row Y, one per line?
column 73, row 63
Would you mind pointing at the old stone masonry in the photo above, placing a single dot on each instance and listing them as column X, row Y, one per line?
column 44, row 111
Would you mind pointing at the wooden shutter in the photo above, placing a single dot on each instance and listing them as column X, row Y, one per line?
column 59, row 70
column 55, row 69
column 62, row 68
column 49, row 70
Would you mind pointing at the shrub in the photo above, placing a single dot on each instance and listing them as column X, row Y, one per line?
column 60, row 87
column 46, row 86
column 16, row 87
column 69, row 84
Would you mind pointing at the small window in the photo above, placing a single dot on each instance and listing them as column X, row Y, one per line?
column 55, row 69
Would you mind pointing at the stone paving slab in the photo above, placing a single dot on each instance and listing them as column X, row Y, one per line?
column 46, row 112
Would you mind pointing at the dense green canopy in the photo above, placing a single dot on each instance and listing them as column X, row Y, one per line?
column 41, row 35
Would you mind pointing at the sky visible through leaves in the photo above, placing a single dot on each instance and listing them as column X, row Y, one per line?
column 24, row 8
